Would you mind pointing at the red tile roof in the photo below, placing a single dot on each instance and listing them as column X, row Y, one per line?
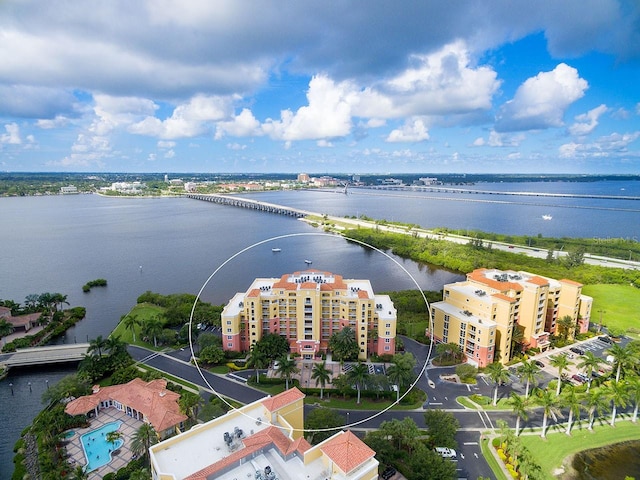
column 157, row 404
column 282, row 399
column 571, row 282
column 539, row 281
column 347, row 451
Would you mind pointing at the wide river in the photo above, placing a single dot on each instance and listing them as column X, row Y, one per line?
column 169, row 245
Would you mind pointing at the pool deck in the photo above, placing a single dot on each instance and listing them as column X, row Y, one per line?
column 128, row 429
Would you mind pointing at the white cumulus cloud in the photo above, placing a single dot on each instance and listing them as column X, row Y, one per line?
column 540, row 102
column 242, row 125
column 12, row 136
column 587, row 122
column 413, row 130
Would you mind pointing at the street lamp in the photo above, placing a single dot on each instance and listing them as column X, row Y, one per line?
column 601, row 312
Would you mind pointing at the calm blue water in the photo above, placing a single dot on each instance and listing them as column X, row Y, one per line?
column 96, row 448
column 57, row 244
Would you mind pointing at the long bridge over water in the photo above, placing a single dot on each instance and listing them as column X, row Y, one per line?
column 251, row 204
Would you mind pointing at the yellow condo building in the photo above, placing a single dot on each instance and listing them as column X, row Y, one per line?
column 262, row 440
column 481, row 313
column 306, row 308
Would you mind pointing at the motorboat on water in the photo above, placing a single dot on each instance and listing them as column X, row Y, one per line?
column 308, row 262
column 547, row 217
column 275, row 250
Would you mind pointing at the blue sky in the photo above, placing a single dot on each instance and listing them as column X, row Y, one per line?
column 508, row 86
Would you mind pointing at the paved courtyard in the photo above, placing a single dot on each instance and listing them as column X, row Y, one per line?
column 128, row 429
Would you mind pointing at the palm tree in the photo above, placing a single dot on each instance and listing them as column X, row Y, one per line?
column 5, row 328
column 517, row 339
column 97, row 345
column 634, row 395
column 520, row 407
column 549, row 404
column 287, row 369
column 79, row 473
column 573, row 402
column 498, row 375
column 589, row 363
column 189, row 404
column 358, row 375
column 321, row 374
column 400, row 372
column 623, row 359
column 258, row 360
column 153, row 328
column 113, row 436
column 618, row 394
column 114, row 345
column 561, row 362
column 529, row 372
column 144, row 437
column 131, row 323
column 596, row 403
column 566, row 325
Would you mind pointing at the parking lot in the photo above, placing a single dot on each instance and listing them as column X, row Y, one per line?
column 574, row 354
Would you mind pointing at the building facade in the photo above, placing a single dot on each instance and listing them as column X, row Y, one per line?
column 481, row 314
column 306, row 308
column 262, row 440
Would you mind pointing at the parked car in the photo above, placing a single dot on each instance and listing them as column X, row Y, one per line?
column 605, row 339
column 583, row 377
column 388, row 473
column 577, row 378
column 539, row 363
column 577, row 350
column 446, row 452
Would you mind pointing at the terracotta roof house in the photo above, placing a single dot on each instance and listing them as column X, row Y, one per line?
column 21, row 322
column 147, row 401
column 262, row 440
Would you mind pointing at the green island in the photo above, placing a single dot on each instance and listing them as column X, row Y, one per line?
column 100, row 282
column 160, row 322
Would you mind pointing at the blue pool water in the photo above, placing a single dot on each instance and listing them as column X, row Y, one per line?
column 96, row 448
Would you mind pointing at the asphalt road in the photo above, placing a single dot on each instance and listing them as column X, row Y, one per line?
column 441, row 394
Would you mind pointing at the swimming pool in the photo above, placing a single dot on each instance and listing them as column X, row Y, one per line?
column 96, row 448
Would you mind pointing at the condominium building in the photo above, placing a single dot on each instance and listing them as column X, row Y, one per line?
column 306, row 308
column 481, row 313
column 262, row 440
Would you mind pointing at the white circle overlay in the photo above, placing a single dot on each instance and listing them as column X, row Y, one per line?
column 291, row 235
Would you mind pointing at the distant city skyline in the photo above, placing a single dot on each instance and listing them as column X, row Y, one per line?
column 261, row 87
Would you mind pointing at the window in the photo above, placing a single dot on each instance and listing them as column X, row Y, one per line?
column 388, row 325
column 229, row 337
column 228, row 330
column 387, row 333
column 228, row 322
column 386, row 348
column 387, row 340
column 230, row 345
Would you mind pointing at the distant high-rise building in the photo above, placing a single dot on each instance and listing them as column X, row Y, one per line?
column 303, row 178
column 306, row 308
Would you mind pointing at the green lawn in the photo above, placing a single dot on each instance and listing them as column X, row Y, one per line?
column 620, row 305
column 143, row 311
column 549, row 453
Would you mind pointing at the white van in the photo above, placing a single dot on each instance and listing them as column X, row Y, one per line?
column 445, row 452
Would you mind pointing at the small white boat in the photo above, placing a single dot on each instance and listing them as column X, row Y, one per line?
column 276, row 250
column 308, row 262
column 547, row 217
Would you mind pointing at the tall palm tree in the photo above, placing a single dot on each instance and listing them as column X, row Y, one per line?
column 566, row 325
column 618, row 394
column 498, row 375
column 322, row 375
column 97, row 345
column 596, row 402
column 190, row 404
column 287, row 369
column 131, row 323
column 561, row 362
column 574, row 404
column 549, row 404
column 258, row 360
column 589, row 363
column 114, row 345
column 144, row 437
column 79, row 473
column 358, row 375
column 634, row 395
column 529, row 372
column 400, row 372
column 623, row 358
column 519, row 406
column 517, row 339
column 153, row 327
